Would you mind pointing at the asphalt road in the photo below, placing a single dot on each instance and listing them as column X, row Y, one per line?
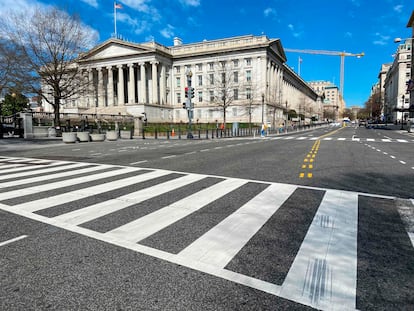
column 299, row 221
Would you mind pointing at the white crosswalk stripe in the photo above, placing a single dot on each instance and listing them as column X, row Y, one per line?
column 219, row 245
column 341, row 139
column 323, row 273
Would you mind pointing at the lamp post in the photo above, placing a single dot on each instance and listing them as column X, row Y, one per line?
column 189, row 103
column 263, row 108
column 287, row 117
column 402, row 111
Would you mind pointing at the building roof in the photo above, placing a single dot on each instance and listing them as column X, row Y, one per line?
column 411, row 20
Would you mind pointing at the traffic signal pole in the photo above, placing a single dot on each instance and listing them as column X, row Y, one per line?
column 189, row 105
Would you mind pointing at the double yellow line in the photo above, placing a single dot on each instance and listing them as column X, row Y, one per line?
column 307, row 165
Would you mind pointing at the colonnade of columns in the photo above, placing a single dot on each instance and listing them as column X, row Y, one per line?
column 127, row 84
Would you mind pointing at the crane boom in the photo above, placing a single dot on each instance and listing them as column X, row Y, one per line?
column 332, row 53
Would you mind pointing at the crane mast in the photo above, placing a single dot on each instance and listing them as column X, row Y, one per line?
column 332, row 53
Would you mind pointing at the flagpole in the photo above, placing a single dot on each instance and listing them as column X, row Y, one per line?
column 115, row 18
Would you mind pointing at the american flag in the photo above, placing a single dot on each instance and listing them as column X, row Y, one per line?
column 117, row 5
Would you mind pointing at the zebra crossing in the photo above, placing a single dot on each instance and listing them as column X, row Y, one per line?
column 342, row 139
column 218, row 220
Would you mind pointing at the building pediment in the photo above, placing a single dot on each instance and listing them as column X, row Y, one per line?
column 276, row 47
column 114, row 48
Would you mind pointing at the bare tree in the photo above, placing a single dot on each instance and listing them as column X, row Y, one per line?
column 48, row 42
column 225, row 82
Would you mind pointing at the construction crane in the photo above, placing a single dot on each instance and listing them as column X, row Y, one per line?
column 332, row 53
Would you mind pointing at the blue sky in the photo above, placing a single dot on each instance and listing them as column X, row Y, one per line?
column 353, row 26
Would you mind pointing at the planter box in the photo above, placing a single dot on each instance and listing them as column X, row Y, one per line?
column 97, row 137
column 126, row 134
column 111, row 135
column 40, row 131
column 83, row 136
column 69, row 137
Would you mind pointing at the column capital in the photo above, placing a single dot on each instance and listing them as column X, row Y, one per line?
column 141, row 64
column 131, row 65
column 119, row 66
column 108, row 67
column 154, row 62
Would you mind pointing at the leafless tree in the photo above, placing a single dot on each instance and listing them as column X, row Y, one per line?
column 48, row 43
column 226, row 86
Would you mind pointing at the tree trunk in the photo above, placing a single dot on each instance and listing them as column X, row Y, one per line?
column 56, row 108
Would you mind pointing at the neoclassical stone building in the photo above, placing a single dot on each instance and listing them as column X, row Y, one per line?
column 249, row 72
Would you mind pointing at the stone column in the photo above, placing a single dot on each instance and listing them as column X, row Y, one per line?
column 143, row 88
column 100, row 87
column 91, row 89
column 155, row 99
column 110, row 86
column 131, row 84
column 121, row 97
column 163, row 89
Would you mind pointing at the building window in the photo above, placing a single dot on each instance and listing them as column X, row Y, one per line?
column 236, row 77
column 234, row 110
column 200, row 67
column 235, row 63
column 211, row 66
column 177, row 69
column 223, row 77
column 248, row 93
column 200, row 80
column 248, row 75
column 236, row 94
column 248, row 61
column 211, row 78
column 211, row 96
column 178, row 82
column 200, row 97
column 178, row 97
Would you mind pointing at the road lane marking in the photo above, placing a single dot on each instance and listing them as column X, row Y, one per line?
column 13, row 240
column 169, row 157
column 139, row 162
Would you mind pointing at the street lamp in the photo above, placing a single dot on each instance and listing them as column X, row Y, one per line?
column 402, row 111
column 263, row 108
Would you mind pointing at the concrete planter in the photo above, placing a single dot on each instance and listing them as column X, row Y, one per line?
column 40, row 131
column 83, row 136
column 97, row 137
column 69, row 137
column 111, row 135
column 126, row 134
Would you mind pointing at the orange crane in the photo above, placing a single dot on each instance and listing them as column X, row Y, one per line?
column 333, row 53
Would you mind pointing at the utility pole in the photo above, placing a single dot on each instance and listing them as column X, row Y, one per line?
column 189, row 93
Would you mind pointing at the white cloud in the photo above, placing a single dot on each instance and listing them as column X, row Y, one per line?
column 269, row 12
column 348, row 34
column 139, row 5
column 381, row 39
column 93, row 3
column 138, row 26
column 28, row 7
column 295, row 33
column 190, row 2
column 398, row 8
column 168, row 32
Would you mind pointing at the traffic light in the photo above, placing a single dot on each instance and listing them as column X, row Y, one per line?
column 184, row 105
column 191, row 92
column 186, row 92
